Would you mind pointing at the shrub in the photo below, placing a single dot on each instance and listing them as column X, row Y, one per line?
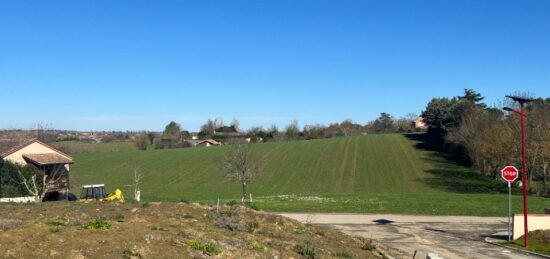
column 369, row 246
column 258, row 246
column 254, row 224
column 119, row 218
column 306, row 251
column 251, row 206
column 232, row 203
column 99, row 223
column 344, row 254
column 55, row 229
column 231, row 222
column 206, row 248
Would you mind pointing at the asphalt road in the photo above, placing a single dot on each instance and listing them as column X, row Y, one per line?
column 401, row 235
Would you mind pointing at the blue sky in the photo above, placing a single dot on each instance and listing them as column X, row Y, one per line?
column 136, row 65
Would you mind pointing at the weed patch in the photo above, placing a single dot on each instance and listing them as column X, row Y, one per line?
column 344, row 254
column 206, row 248
column 369, row 246
column 258, row 247
column 306, row 251
column 99, row 223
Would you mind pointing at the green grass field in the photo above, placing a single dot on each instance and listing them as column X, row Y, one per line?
column 377, row 173
column 75, row 147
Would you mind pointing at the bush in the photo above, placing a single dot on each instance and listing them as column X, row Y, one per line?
column 306, row 251
column 252, row 206
column 369, row 246
column 254, row 224
column 232, row 222
column 232, row 203
column 206, row 248
column 99, row 223
column 258, row 246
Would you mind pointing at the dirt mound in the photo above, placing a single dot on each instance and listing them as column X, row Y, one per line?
column 168, row 230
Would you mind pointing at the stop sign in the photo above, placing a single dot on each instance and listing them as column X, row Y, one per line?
column 509, row 173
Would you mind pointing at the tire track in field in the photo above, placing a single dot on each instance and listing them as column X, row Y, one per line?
column 404, row 168
column 342, row 170
column 267, row 158
column 318, row 177
column 412, row 179
column 290, row 177
column 353, row 179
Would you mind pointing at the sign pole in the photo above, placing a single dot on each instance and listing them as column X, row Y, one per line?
column 509, row 211
column 509, row 174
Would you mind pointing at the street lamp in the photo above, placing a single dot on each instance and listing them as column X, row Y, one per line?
column 521, row 113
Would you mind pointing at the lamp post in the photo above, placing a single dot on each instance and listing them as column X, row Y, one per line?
column 521, row 113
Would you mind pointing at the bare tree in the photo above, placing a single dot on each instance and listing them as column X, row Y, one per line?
column 208, row 128
column 137, row 185
column 43, row 131
column 235, row 124
column 38, row 183
column 240, row 166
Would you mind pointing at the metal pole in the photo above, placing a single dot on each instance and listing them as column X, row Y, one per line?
column 524, row 176
column 509, row 211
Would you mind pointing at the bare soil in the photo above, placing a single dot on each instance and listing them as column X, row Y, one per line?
column 167, row 230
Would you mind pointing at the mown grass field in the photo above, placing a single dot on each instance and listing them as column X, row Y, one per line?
column 75, row 147
column 375, row 173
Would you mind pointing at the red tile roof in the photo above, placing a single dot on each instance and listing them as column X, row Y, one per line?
column 47, row 159
column 10, row 147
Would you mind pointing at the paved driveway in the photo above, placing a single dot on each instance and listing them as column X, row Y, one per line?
column 402, row 235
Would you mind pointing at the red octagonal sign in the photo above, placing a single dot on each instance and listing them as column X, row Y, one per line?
column 509, row 173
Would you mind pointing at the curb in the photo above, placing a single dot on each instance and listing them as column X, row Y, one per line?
column 516, row 249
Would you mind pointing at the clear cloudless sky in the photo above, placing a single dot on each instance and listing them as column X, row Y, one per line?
column 137, row 65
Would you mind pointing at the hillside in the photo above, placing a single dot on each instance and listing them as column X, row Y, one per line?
column 174, row 230
column 384, row 169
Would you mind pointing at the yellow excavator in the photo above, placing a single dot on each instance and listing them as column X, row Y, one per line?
column 96, row 192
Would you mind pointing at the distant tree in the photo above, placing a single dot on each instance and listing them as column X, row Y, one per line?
column 473, row 97
column 383, row 124
column 273, row 132
column 208, row 128
column 257, row 134
column 235, row 124
column 239, row 165
column 142, row 141
column 172, row 130
column 218, row 123
column 151, row 136
column 292, row 130
column 43, row 131
column 314, row 131
column 439, row 116
column 404, row 125
column 411, row 116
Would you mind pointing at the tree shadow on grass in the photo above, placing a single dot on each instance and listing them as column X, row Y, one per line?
column 451, row 175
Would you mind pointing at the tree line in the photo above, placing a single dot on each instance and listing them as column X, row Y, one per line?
column 488, row 138
column 174, row 136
